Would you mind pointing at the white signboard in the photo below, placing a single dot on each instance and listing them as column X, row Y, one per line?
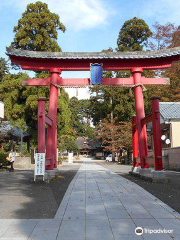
column 39, row 169
column 1, row 109
column 70, row 157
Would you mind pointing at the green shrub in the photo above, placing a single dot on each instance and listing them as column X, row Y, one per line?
column 3, row 156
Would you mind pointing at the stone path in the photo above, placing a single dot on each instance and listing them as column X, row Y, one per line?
column 99, row 205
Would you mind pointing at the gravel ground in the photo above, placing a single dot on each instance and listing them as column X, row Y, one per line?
column 22, row 198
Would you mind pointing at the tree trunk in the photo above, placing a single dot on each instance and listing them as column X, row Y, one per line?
column 113, row 156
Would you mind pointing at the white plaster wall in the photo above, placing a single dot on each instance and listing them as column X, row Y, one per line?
column 175, row 134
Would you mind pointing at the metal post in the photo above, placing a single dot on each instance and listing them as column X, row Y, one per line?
column 41, row 124
column 140, row 114
column 134, row 140
column 157, row 133
column 52, row 113
column 21, row 144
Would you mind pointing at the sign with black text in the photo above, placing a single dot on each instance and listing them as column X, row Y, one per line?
column 39, row 169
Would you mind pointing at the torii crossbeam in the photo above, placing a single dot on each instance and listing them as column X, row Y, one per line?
column 57, row 62
column 66, row 82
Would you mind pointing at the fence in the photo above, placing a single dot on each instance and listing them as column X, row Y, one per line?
column 171, row 158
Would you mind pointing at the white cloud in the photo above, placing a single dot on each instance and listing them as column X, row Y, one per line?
column 75, row 14
column 162, row 11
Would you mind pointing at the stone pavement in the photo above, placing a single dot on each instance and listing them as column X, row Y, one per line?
column 99, row 205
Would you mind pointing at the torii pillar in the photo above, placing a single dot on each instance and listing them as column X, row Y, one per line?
column 140, row 114
column 51, row 148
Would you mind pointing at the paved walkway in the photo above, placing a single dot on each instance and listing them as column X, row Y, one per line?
column 99, row 205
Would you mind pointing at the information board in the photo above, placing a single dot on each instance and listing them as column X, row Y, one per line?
column 39, row 169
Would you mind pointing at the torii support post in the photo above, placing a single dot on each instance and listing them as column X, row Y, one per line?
column 134, row 140
column 157, row 133
column 41, row 124
column 140, row 114
column 51, row 153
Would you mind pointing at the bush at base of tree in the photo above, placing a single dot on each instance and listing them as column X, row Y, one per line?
column 3, row 155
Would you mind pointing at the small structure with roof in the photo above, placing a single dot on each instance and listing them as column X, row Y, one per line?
column 88, row 147
column 170, row 124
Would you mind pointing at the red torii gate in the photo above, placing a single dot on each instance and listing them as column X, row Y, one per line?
column 57, row 62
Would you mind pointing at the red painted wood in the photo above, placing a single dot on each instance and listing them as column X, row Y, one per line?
column 134, row 140
column 36, row 82
column 41, row 125
column 135, row 65
column 84, row 64
column 140, row 114
column 52, row 130
column 86, row 81
column 157, row 134
column 146, row 120
column 155, row 81
column 74, row 81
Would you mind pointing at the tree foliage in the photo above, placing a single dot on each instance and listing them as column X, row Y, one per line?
column 37, row 29
column 167, row 36
column 4, row 68
column 11, row 93
column 80, row 117
column 121, row 135
column 164, row 36
column 133, row 35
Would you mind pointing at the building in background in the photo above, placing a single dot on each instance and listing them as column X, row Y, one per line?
column 170, row 130
column 170, row 125
column 89, row 147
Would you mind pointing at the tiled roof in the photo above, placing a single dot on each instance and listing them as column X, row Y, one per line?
column 6, row 128
column 95, row 55
column 86, row 143
column 170, row 110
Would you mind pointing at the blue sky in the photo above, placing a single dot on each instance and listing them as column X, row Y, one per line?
column 92, row 25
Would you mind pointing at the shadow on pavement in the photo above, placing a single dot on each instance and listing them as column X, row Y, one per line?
column 22, row 198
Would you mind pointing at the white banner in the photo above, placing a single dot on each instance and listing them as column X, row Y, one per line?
column 39, row 164
column 70, row 157
column 1, row 109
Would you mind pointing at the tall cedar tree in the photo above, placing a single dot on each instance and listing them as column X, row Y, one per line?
column 133, row 35
column 37, row 29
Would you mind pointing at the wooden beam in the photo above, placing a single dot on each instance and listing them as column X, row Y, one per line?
column 105, row 81
column 155, row 81
column 36, row 82
column 48, row 121
column 146, row 120
column 74, row 81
